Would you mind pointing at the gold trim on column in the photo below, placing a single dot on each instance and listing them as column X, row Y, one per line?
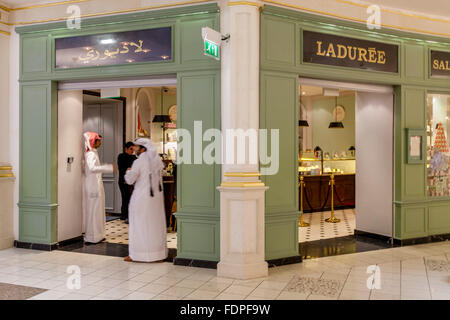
column 239, row 184
column 5, row 167
column 243, row 3
column 6, row 175
column 242, row 174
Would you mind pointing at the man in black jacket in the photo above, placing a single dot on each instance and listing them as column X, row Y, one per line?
column 124, row 162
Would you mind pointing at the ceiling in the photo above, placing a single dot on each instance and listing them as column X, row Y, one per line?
column 431, row 7
column 25, row 3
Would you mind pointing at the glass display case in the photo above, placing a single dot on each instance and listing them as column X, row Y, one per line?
column 318, row 163
column 438, row 150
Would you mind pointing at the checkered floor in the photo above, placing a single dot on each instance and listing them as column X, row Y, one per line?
column 117, row 232
column 319, row 229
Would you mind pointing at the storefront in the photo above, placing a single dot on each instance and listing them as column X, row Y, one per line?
column 296, row 45
column 409, row 66
column 44, row 69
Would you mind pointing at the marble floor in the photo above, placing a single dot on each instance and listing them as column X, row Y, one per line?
column 319, row 229
column 412, row 272
column 117, row 232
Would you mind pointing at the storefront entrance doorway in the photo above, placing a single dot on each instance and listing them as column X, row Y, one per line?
column 118, row 119
column 345, row 137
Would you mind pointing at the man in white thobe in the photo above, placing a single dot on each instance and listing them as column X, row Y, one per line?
column 147, row 219
column 94, row 193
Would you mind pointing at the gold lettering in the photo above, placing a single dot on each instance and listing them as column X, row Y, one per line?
column 447, row 66
column 436, row 64
column 381, row 57
column 372, row 55
column 342, row 51
column 139, row 46
column 331, row 51
column 362, row 54
column 442, row 65
column 319, row 49
column 351, row 53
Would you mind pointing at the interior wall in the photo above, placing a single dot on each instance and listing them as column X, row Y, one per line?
column 374, row 162
column 70, row 144
column 333, row 140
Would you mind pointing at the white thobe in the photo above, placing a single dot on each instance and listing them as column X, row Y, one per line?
column 147, row 228
column 94, row 197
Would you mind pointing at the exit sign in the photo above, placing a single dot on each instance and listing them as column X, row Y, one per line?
column 211, row 49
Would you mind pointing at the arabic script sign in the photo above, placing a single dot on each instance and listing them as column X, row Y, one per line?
column 349, row 52
column 114, row 48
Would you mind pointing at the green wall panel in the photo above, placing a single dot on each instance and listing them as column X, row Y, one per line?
column 414, row 101
column 414, row 68
column 36, row 59
column 281, row 238
column 38, row 162
column 198, row 239
column 198, row 198
column 278, row 110
column 414, row 222
column 191, row 40
column 278, row 41
column 439, row 219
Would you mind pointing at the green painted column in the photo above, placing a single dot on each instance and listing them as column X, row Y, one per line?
column 198, row 200
column 38, row 162
column 278, row 110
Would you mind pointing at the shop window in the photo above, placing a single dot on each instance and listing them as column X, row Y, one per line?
column 438, row 150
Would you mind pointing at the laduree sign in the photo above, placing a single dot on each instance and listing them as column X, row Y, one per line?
column 114, row 48
column 440, row 63
column 340, row 51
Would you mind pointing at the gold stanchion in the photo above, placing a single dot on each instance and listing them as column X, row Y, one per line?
column 332, row 219
column 301, row 223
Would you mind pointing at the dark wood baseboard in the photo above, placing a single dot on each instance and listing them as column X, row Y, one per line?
column 359, row 233
column 423, row 240
column 35, row 246
column 284, row 261
column 70, row 241
column 195, row 263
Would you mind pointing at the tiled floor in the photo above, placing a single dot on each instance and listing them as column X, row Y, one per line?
column 319, row 229
column 413, row 272
column 117, row 232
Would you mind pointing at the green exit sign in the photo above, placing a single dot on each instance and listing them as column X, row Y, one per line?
column 211, row 49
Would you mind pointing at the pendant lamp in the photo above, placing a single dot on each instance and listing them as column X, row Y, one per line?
column 302, row 123
column 162, row 118
column 336, row 124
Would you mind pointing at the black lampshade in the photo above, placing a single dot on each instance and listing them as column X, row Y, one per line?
column 336, row 125
column 352, row 148
column 161, row 118
column 303, row 123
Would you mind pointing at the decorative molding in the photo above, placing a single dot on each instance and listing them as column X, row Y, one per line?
column 243, row 3
column 334, row 15
column 242, row 174
column 250, row 184
column 90, row 15
column 397, row 12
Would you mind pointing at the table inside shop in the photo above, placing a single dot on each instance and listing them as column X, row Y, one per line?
column 317, row 192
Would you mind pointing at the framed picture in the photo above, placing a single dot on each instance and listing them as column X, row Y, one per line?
column 415, row 146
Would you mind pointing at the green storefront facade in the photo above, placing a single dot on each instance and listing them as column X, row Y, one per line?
column 415, row 214
column 198, row 94
column 198, row 85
